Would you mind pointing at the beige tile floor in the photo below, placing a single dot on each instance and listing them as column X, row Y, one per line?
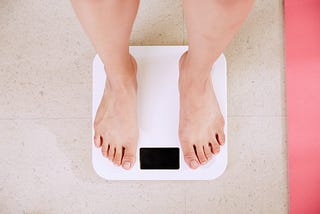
column 45, row 116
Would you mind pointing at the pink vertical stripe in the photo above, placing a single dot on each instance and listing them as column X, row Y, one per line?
column 302, row 28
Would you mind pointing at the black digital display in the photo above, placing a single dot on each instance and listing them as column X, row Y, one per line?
column 159, row 158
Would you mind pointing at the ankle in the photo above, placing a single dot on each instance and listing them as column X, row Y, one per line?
column 194, row 62
column 121, row 67
column 120, row 64
column 193, row 84
column 193, row 77
column 122, row 75
column 121, row 84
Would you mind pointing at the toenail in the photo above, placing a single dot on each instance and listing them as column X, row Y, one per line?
column 194, row 164
column 204, row 162
column 127, row 165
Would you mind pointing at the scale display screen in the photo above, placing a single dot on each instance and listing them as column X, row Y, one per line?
column 159, row 158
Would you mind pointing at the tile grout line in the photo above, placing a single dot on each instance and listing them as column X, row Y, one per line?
column 47, row 118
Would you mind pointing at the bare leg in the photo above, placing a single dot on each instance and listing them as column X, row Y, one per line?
column 108, row 24
column 211, row 24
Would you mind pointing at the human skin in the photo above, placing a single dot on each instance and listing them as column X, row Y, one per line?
column 211, row 24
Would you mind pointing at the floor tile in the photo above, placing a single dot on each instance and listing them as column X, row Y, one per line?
column 158, row 23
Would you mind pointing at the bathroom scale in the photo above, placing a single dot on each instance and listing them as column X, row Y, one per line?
column 159, row 156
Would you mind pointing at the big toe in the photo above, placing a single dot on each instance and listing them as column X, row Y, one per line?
column 190, row 156
column 129, row 157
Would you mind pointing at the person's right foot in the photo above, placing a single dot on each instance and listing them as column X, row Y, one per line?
column 115, row 125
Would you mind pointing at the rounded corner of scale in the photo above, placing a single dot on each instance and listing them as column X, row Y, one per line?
column 96, row 169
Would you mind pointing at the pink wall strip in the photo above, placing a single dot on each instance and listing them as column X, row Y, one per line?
column 302, row 29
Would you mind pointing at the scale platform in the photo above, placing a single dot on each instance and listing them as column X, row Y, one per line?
column 159, row 156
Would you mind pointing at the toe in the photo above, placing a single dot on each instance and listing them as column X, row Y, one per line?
column 207, row 151
column 220, row 137
column 97, row 140
column 104, row 150
column 215, row 147
column 111, row 152
column 129, row 157
column 200, row 154
column 190, row 156
column 118, row 156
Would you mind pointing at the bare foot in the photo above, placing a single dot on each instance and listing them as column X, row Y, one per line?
column 201, row 122
column 115, row 125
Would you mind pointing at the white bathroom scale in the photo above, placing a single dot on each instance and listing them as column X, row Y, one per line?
column 159, row 156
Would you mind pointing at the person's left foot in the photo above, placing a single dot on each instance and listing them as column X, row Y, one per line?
column 201, row 126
